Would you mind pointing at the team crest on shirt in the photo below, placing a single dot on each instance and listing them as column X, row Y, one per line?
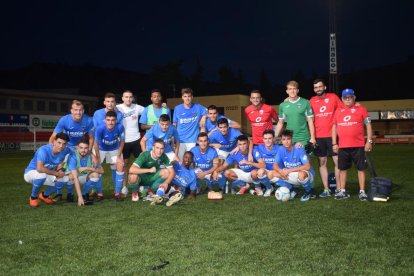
column 208, row 161
column 261, row 111
column 326, row 100
column 353, row 110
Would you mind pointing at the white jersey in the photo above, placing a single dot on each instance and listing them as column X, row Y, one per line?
column 130, row 116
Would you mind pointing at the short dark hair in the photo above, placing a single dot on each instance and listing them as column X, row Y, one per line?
column 190, row 153
column 319, row 80
column 287, row 133
column 110, row 95
column 164, row 118
column 83, row 140
column 63, row 136
column 243, row 138
column 202, row 134
column 222, row 121
column 155, row 91
column 186, row 91
column 269, row 131
column 110, row 113
column 160, row 141
column 212, row 107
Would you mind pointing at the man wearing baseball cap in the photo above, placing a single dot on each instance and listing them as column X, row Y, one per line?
column 348, row 141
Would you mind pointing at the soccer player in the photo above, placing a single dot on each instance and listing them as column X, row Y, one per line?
column 165, row 131
column 152, row 113
column 242, row 175
column 211, row 121
column 224, row 140
column 206, row 162
column 153, row 169
column 267, row 152
column 292, row 167
column 76, row 125
column 83, row 170
column 130, row 113
column 297, row 114
column 260, row 116
column 187, row 118
column 324, row 106
column 45, row 169
column 184, row 179
column 348, row 127
column 109, row 142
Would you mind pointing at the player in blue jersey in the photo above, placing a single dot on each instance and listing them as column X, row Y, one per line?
column 211, row 121
column 267, row 152
column 152, row 113
column 184, row 180
column 76, row 125
column 83, row 170
column 292, row 167
column 45, row 169
column 224, row 140
column 187, row 118
column 242, row 174
column 206, row 162
column 109, row 142
column 165, row 131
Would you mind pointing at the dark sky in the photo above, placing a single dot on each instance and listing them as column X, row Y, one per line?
column 280, row 36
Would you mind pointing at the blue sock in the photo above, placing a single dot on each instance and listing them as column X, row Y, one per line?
column 307, row 186
column 119, row 179
column 282, row 183
column 237, row 183
column 222, row 183
column 36, row 185
column 265, row 180
column 99, row 186
column 69, row 187
column 113, row 174
column 160, row 192
column 49, row 191
column 59, row 186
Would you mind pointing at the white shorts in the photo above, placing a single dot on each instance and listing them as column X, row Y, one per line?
column 82, row 179
column 110, row 156
column 183, row 148
column 207, row 176
column 171, row 155
column 243, row 176
column 222, row 154
column 293, row 178
column 34, row 174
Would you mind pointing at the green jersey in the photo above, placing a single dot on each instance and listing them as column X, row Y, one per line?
column 146, row 161
column 295, row 115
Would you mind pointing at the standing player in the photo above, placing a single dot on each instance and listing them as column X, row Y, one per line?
column 152, row 113
column 44, row 169
column 323, row 106
column 260, row 116
column 165, row 131
column 153, row 169
column 109, row 142
column 242, row 175
column 130, row 113
column 206, row 162
column 297, row 113
column 292, row 167
column 224, row 140
column 211, row 121
column 186, row 118
column 348, row 127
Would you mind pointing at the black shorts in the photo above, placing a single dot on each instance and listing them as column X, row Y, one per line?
column 323, row 147
column 131, row 148
column 348, row 155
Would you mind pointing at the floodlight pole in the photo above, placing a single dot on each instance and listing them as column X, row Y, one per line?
column 333, row 57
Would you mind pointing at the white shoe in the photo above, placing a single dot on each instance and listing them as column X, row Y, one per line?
column 259, row 191
column 268, row 192
column 124, row 190
column 135, row 196
column 174, row 199
column 156, row 200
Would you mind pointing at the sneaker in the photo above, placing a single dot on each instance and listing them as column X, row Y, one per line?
column 87, row 200
column 33, row 202
column 346, row 195
column 259, row 191
column 174, row 199
column 341, row 195
column 293, row 194
column 135, row 196
column 268, row 192
column 57, row 198
column 99, row 197
column 156, row 200
column 46, row 200
column 233, row 192
column 118, row 197
column 325, row 193
column 124, row 191
column 306, row 196
column 70, row 198
column 242, row 191
column 363, row 196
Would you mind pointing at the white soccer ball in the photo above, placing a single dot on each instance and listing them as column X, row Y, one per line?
column 282, row 194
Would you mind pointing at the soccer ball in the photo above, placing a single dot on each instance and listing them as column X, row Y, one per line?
column 282, row 194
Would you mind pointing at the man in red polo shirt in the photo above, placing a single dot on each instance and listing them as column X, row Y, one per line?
column 348, row 130
column 260, row 115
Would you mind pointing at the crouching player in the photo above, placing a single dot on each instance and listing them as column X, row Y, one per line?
column 292, row 167
column 83, row 170
column 153, row 169
column 184, row 179
column 242, row 175
column 45, row 169
column 109, row 143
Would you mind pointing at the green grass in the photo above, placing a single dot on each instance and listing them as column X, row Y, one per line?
column 239, row 235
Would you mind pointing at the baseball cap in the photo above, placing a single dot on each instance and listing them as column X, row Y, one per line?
column 348, row 92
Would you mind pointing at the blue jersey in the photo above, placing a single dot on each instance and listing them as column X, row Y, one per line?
column 108, row 140
column 204, row 161
column 75, row 130
column 157, row 112
column 297, row 157
column 99, row 117
column 156, row 132
column 184, row 177
column 46, row 156
column 229, row 142
column 260, row 151
column 210, row 125
column 83, row 162
column 237, row 157
column 187, row 121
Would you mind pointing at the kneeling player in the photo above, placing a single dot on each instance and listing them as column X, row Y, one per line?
column 292, row 167
column 153, row 169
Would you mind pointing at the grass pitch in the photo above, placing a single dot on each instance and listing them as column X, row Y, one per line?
column 238, row 235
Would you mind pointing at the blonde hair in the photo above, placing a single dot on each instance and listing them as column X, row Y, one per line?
column 293, row 83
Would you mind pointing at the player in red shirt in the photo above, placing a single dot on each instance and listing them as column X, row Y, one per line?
column 348, row 127
column 260, row 115
column 324, row 106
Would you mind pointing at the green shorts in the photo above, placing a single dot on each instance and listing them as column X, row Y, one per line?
column 151, row 180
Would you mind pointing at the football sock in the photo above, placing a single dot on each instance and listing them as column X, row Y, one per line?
column 113, row 174
column 49, row 191
column 59, row 186
column 158, row 182
column 69, row 187
column 265, row 180
column 99, row 186
column 160, row 192
column 237, row 183
column 133, row 187
column 36, row 185
column 119, row 179
column 222, row 182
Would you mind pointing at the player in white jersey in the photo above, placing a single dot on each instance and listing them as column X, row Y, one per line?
column 130, row 113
